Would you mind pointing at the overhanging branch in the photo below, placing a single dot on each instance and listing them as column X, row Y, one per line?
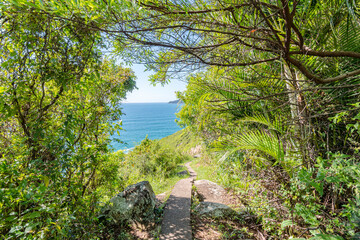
column 317, row 79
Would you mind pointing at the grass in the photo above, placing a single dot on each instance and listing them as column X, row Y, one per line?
column 167, row 151
column 165, row 185
column 204, row 171
column 181, row 141
column 152, row 161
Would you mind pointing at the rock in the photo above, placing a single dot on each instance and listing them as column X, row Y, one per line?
column 196, row 150
column 135, row 204
column 178, row 101
column 161, row 197
column 182, row 173
column 210, row 191
column 213, row 210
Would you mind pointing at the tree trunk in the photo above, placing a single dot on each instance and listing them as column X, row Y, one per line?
column 300, row 116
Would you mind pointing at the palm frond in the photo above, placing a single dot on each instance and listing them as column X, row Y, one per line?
column 275, row 125
column 264, row 142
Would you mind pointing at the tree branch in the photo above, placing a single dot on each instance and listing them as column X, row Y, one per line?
column 310, row 52
column 317, row 79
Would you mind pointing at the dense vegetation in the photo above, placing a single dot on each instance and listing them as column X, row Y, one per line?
column 155, row 163
column 149, row 161
column 273, row 90
column 58, row 96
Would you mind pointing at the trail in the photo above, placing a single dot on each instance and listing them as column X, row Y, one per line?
column 176, row 221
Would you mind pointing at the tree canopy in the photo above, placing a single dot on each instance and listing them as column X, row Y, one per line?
column 271, row 83
column 59, row 97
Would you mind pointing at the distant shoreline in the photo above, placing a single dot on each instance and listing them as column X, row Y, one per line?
column 170, row 102
column 143, row 102
column 175, row 101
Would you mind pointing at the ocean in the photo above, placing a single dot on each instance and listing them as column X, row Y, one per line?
column 155, row 120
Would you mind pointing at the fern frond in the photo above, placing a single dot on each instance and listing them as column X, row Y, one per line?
column 264, row 142
column 261, row 119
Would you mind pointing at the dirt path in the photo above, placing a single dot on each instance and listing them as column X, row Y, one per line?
column 176, row 221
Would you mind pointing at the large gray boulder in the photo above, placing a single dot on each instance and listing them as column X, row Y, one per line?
column 135, row 204
column 213, row 210
column 211, row 192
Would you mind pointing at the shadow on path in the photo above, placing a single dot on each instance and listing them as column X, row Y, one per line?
column 176, row 221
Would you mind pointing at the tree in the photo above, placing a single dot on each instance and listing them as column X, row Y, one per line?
column 296, row 59
column 307, row 45
column 221, row 33
column 59, row 98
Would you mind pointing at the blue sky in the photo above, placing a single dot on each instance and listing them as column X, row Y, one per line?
column 148, row 93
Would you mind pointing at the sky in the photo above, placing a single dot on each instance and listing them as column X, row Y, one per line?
column 146, row 92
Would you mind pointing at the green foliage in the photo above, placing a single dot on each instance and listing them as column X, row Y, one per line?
column 265, row 142
column 334, row 179
column 109, row 179
column 272, row 131
column 151, row 158
column 205, row 167
column 182, row 141
column 153, row 162
column 58, row 97
column 284, row 142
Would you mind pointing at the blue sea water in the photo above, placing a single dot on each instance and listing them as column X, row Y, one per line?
column 155, row 120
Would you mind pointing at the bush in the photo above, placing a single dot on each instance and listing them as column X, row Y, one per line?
column 151, row 161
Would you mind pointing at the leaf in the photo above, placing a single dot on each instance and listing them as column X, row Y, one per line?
column 262, row 141
column 28, row 229
column 34, row 215
column 11, row 218
column 46, row 180
column 326, row 237
column 318, row 187
column 286, row 223
column 15, row 3
column 2, row 89
column 261, row 119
